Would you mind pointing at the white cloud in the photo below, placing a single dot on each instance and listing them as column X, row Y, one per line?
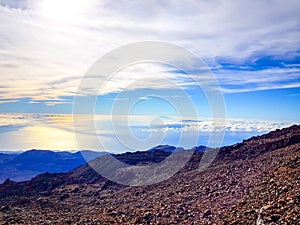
column 234, row 81
column 43, row 56
column 207, row 125
column 46, row 131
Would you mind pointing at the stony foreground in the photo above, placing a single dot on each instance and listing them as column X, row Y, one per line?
column 254, row 182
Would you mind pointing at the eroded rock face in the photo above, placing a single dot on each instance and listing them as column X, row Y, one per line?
column 254, row 182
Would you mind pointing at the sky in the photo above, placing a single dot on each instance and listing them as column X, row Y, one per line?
column 251, row 48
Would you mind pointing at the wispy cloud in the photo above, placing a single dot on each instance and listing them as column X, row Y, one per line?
column 234, row 81
column 43, row 56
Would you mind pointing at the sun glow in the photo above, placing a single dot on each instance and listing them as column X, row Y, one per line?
column 63, row 10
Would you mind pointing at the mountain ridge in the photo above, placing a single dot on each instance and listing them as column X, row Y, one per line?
column 26, row 165
column 252, row 182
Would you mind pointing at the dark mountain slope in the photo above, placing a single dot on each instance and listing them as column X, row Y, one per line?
column 254, row 182
column 258, row 145
column 24, row 166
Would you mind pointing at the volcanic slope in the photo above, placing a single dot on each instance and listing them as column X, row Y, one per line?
column 253, row 182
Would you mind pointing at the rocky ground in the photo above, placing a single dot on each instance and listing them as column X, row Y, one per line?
column 254, row 182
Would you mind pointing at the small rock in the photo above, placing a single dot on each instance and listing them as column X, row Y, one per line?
column 207, row 213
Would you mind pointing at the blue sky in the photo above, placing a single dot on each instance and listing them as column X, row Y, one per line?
column 251, row 47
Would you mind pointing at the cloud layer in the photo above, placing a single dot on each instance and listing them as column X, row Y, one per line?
column 55, row 132
column 47, row 46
